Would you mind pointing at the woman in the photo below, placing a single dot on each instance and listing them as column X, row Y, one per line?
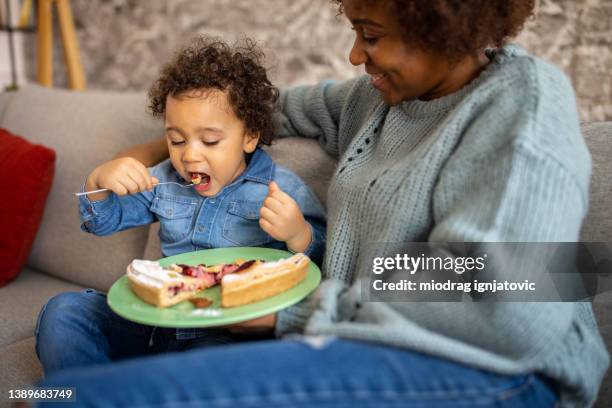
column 441, row 141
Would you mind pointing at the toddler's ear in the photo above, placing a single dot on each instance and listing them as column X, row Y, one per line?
column 250, row 142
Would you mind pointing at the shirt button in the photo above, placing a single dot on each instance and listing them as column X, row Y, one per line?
column 212, row 201
column 359, row 151
column 350, row 159
column 168, row 212
column 367, row 140
column 201, row 228
column 375, row 129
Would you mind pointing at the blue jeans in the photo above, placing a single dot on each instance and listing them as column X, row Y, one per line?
column 302, row 372
column 78, row 329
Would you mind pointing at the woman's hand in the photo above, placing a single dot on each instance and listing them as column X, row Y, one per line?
column 281, row 217
column 258, row 325
column 121, row 176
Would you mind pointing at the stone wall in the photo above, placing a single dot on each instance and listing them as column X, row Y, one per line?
column 124, row 42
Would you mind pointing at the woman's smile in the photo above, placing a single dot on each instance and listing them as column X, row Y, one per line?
column 380, row 81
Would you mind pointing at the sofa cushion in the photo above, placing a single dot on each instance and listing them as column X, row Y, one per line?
column 153, row 248
column 307, row 159
column 598, row 227
column 20, row 366
column 21, row 301
column 598, row 224
column 26, row 173
column 602, row 304
column 85, row 129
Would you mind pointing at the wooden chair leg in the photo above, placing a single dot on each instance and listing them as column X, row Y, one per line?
column 45, row 43
column 76, row 76
column 24, row 14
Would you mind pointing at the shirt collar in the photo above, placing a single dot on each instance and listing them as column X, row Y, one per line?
column 260, row 168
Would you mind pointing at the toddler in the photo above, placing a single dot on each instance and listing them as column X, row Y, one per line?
column 218, row 107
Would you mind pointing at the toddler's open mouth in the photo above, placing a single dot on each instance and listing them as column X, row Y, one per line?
column 201, row 181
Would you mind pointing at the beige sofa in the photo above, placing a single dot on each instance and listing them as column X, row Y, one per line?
column 87, row 128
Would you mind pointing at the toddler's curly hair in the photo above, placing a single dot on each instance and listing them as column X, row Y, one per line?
column 209, row 63
column 457, row 28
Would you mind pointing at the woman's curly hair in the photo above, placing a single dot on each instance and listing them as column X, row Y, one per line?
column 457, row 28
column 209, row 63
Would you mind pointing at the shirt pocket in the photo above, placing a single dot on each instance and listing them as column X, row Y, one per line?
column 175, row 217
column 241, row 225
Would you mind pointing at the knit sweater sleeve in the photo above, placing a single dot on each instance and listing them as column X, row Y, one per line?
column 316, row 111
column 519, row 174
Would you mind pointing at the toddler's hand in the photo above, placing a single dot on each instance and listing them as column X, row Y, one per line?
column 121, row 176
column 281, row 217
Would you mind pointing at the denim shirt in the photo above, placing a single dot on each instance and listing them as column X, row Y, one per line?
column 190, row 222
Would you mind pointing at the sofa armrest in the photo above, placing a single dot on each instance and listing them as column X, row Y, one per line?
column 598, row 224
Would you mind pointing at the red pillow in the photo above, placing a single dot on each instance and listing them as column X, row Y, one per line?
column 26, row 173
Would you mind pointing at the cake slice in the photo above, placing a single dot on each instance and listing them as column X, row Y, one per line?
column 166, row 286
column 263, row 280
column 161, row 286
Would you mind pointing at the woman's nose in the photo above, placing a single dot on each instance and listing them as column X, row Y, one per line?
column 357, row 56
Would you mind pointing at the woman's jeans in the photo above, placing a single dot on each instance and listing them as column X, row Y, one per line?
column 78, row 335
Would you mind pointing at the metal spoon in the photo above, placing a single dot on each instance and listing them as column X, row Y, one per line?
column 158, row 184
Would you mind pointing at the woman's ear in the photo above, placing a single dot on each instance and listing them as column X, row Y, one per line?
column 250, row 142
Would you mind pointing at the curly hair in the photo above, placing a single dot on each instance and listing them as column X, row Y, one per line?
column 457, row 28
column 209, row 63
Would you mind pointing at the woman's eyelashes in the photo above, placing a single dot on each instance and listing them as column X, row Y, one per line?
column 370, row 40
column 369, row 37
column 365, row 37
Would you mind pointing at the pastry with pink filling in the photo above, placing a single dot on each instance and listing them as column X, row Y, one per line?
column 167, row 286
column 242, row 282
column 263, row 280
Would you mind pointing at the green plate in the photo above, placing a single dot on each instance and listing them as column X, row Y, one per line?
column 126, row 304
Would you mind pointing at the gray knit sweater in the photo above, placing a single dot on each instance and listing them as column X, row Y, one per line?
column 501, row 160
